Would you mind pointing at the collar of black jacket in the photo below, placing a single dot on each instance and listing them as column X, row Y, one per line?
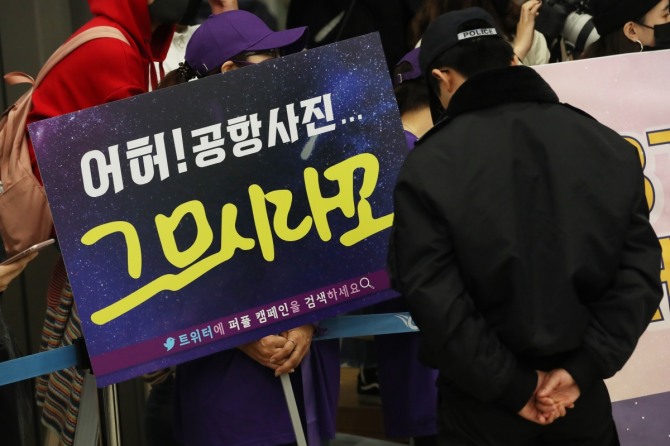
column 497, row 87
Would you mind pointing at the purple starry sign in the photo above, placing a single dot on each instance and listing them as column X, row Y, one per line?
column 200, row 217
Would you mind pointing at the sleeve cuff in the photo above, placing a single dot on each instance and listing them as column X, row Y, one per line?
column 584, row 369
column 520, row 389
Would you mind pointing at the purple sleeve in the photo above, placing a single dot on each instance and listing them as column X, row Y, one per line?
column 411, row 139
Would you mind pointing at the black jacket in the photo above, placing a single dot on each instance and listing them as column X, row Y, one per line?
column 522, row 241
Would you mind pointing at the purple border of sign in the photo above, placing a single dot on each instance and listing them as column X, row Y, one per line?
column 229, row 326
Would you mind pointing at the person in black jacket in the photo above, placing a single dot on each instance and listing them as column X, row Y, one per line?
column 523, row 247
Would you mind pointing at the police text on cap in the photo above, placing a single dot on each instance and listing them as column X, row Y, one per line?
column 477, row 33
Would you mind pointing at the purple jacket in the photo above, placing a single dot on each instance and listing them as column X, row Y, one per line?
column 229, row 399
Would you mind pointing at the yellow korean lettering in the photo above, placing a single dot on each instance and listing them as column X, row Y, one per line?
column 648, row 188
column 129, row 235
column 343, row 173
column 665, row 271
column 321, row 206
column 282, row 200
column 230, row 241
column 167, row 225
column 367, row 224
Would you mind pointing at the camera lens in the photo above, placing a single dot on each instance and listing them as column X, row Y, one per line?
column 579, row 31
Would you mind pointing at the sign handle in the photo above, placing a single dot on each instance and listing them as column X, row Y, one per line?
column 293, row 409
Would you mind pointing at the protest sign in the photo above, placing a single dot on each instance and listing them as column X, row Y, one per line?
column 198, row 217
column 629, row 94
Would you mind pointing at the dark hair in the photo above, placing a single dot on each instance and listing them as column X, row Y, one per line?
column 178, row 76
column 612, row 43
column 473, row 56
column 185, row 73
column 432, row 9
column 411, row 94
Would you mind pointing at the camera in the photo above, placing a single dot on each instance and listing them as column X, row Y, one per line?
column 569, row 19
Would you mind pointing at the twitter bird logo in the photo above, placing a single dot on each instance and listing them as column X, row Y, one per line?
column 169, row 343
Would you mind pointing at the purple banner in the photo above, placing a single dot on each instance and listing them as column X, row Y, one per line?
column 243, row 322
column 203, row 216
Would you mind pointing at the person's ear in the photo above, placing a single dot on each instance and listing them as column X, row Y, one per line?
column 445, row 79
column 631, row 32
column 228, row 65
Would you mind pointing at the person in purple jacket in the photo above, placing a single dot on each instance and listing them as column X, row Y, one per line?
column 235, row 397
column 406, row 387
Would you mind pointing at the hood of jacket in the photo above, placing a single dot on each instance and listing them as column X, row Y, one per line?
column 133, row 17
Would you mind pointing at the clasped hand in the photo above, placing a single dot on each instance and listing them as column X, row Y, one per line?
column 282, row 352
column 556, row 392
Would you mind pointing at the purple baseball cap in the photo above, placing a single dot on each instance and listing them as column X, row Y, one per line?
column 412, row 58
column 225, row 35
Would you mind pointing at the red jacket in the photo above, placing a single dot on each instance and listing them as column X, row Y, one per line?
column 104, row 70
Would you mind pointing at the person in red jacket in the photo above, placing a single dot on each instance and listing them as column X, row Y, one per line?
column 100, row 71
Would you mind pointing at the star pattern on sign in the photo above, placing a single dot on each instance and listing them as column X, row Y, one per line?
column 643, row 420
column 361, row 93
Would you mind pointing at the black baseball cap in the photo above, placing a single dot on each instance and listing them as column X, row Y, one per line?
column 611, row 15
column 443, row 34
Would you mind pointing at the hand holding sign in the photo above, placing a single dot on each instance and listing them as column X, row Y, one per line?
column 298, row 341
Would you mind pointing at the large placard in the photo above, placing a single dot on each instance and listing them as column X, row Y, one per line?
column 629, row 93
column 198, row 217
